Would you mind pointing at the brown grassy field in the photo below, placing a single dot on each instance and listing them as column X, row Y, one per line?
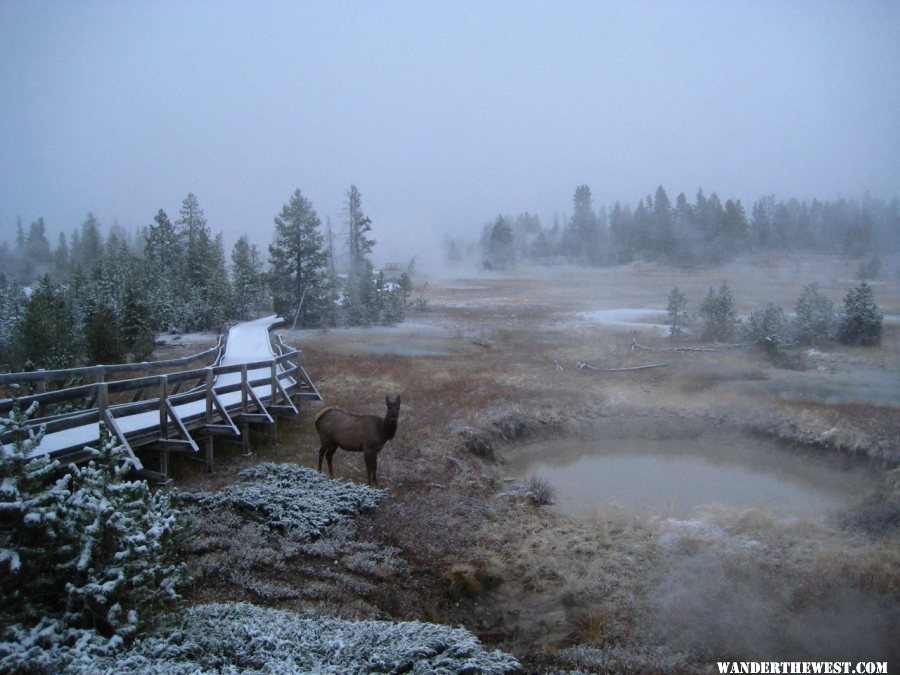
column 493, row 364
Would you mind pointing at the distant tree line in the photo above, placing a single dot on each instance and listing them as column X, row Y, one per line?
column 702, row 231
column 99, row 299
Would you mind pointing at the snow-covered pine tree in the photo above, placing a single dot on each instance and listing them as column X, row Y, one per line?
column 720, row 320
column 246, row 278
column 861, row 321
column 12, row 308
column 814, row 322
column 83, row 548
column 46, row 334
column 768, row 327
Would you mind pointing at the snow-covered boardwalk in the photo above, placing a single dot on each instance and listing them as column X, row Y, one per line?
column 249, row 383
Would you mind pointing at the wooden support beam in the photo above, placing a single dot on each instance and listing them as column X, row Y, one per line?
column 178, row 423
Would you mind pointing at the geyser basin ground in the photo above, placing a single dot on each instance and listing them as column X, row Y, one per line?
column 676, row 473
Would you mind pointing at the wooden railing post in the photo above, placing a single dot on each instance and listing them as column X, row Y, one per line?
column 210, row 380
column 163, row 416
column 208, row 443
column 102, row 397
column 245, row 426
column 273, row 384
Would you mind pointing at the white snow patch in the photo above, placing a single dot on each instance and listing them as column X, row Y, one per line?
column 627, row 318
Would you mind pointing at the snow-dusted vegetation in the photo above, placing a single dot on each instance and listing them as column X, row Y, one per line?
column 291, row 498
column 238, row 637
column 87, row 556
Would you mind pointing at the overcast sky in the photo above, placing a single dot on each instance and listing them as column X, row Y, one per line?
column 442, row 113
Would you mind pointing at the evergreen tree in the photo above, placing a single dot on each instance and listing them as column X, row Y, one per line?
column 103, row 338
column 500, row 254
column 46, row 335
column 83, row 550
column 814, row 321
column 767, row 327
column 37, row 248
column 720, row 321
column 12, row 309
column 137, row 320
column 663, row 238
column 861, row 321
column 676, row 310
column 89, row 247
column 247, row 278
column 359, row 225
column 61, row 257
column 582, row 237
column 215, row 292
column 361, row 293
column 298, row 262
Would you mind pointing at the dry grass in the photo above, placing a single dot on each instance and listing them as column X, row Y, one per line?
column 535, row 581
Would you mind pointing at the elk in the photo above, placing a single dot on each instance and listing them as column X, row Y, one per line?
column 356, row 433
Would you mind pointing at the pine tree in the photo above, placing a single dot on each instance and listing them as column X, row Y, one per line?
column 136, row 317
column 767, row 327
column 358, row 225
column 103, row 338
column 675, row 308
column 582, row 238
column 861, row 321
column 500, row 254
column 247, row 278
column 361, row 292
column 46, row 335
column 663, row 238
column 87, row 549
column 61, row 257
column 89, row 248
column 12, row 308
column 163, row 256
column 719, row 315
column 298, row 262
column 37, row 248
column 814, row 321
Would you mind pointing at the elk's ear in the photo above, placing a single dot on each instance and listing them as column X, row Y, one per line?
column 387, row 400
column 398, row 399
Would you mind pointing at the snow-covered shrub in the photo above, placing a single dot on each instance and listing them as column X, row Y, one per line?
column 81, row 548
column 767, row 327
column 299, row 501
column 248, row 639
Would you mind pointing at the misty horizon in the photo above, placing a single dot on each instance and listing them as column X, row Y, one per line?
column 443, row 115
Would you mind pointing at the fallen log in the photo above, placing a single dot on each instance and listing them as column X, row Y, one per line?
column 635, row 346
column 585, row 366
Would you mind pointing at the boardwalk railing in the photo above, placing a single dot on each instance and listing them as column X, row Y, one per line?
column 172, row 412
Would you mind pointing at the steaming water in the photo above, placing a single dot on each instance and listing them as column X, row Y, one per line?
column 675, row 476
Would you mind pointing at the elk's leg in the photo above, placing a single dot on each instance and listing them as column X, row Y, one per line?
column 371, row 465
column 329, row 453
column 322, row 450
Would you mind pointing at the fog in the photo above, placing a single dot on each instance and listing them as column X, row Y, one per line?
column 444, row 114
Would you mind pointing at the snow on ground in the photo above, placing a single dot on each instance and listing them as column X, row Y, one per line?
column 238, row 637
column 630, row 319
column 292, row 498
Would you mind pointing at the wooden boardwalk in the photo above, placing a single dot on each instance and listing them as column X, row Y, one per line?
column 245, row 381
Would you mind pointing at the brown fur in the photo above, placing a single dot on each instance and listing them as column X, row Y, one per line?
column 356, row 433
